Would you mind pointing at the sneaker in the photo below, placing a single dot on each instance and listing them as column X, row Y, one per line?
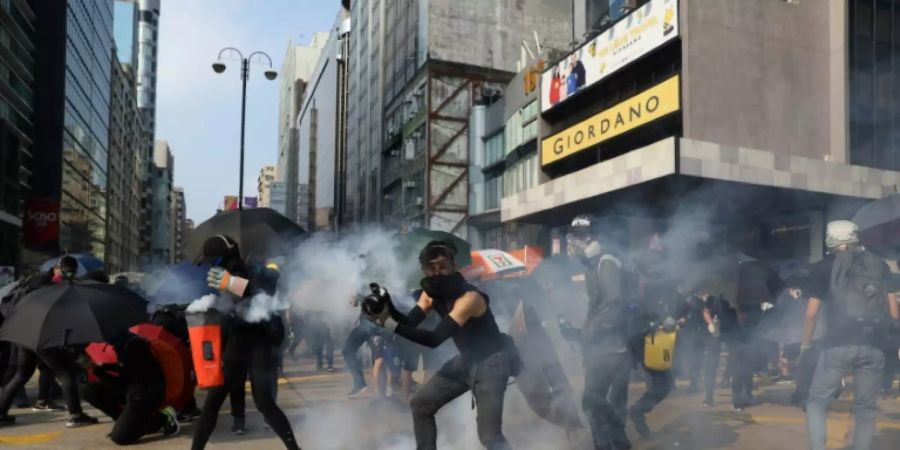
column 7, row 420
column 331, row 369
column 188, row 416
column 171, row 426
column 237, row 427
column 80, row 420
column 640, row 423
column 737, row 408
column 357, row 391
column 709, row 403
column 47, row 405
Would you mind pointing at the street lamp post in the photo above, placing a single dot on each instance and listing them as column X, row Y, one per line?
column 270, row 74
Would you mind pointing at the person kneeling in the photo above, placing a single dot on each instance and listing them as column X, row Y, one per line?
column 131, row 392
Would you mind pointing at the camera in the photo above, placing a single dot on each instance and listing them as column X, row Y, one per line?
column 376, row 301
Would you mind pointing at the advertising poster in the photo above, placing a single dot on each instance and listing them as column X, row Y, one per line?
column 645, row 29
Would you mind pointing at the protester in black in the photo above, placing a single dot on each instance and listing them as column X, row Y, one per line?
column 487, row 357
column 248, row 348
column 131, row 392
column 859, row 314
column 604, row 337
column 52, row 362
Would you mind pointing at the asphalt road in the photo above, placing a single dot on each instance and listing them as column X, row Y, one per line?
column 325, row 419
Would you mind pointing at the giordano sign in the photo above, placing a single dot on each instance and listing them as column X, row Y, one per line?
column 652, row 104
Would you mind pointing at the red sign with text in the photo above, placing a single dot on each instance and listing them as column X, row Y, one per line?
column 41, row 221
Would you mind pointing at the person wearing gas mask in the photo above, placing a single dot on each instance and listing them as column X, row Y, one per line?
column 248, row 348
column 604, row 341
column 487, row 357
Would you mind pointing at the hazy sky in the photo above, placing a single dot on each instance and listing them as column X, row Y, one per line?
column 199, row 111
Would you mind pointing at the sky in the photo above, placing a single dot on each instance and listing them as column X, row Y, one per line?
column 199, row 112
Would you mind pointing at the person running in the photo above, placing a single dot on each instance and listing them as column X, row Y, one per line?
column 248, row 348
column 134, row 395
column 486, row 359
column 51, row 361
column 852, row 282
column 604, row 337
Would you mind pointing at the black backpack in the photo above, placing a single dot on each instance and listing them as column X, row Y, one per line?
column 858, row 293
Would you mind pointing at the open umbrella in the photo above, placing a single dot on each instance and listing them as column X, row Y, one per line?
column 72, row 313
column 179, row 284
column 541, row 379
column 492, row 263
column 86, row 263
column 260, row 232
column 879, row 225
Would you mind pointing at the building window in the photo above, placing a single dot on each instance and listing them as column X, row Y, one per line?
column 493, row 150
column 493, row 187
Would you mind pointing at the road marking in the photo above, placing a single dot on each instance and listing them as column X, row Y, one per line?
column 28, row 439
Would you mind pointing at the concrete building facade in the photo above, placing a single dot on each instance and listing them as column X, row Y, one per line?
column 299, row 62
column 723, row 109
column 179, row 219
column 126, row 149
column 162, row 227
column 320, row 127
column 264, row 184
column 416, row 70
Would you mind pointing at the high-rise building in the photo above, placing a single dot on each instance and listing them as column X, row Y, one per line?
column 296, row 70
column 278, row 197
column 17, row 106
column 321, row 125
column 178, row 215
column 162, row 228
column 264, row 183
column 137, row 34
column 126, row 172
column 185, row 235
column 66, row 208
column 416, row 69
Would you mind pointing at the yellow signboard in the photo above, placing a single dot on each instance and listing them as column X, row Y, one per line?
column 656, row 102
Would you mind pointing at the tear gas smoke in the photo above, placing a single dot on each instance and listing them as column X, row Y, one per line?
column 206, row 302
column 262, row 306
column 324, row 274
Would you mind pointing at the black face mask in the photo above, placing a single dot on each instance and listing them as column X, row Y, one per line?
column 444, row 287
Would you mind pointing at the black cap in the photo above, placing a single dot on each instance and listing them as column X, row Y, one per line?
column 68, row 264
column 220, row 247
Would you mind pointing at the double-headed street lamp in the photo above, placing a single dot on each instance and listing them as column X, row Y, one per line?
column 271, row 74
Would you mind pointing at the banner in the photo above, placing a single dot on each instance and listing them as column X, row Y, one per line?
column 643, row 30
column 656, row 102
column 41, row 225
column 251, row 202
column 231, row 203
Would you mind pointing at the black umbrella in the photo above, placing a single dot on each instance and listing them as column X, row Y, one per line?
column 879, row 225
column 72, row 313
column 260, row 232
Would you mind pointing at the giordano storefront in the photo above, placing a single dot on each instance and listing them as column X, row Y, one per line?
column 615, row 142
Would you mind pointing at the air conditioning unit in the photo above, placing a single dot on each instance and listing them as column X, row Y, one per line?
column 395, row 153
column 409, row 149
column 420, row 201
column 416, row 135
column 409, row 184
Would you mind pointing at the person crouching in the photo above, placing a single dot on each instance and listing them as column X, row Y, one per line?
column 131, row 392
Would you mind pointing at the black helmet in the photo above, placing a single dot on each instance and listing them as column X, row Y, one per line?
column 219, row 249
column 582, row 224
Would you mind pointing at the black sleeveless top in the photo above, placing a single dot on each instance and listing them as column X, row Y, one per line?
column 479, row 337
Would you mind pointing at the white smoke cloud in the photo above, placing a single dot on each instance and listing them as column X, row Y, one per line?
column 262, row 306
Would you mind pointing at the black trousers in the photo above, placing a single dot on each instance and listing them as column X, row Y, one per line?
column 606, row 397
column 711, row 350
column 689, row 351
column 487, row 379
column 746, row 359
column 52, row 362
column 323, row 346
column 358, row 336
column 246, row 353
column 134, row 409
column 237, row 396
column 659, row 385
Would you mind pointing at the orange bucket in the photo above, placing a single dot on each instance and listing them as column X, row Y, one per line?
column 205, row 331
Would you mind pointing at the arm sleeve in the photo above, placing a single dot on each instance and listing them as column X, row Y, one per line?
column 264, row 282
column 413, row 318
column 430, row 339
